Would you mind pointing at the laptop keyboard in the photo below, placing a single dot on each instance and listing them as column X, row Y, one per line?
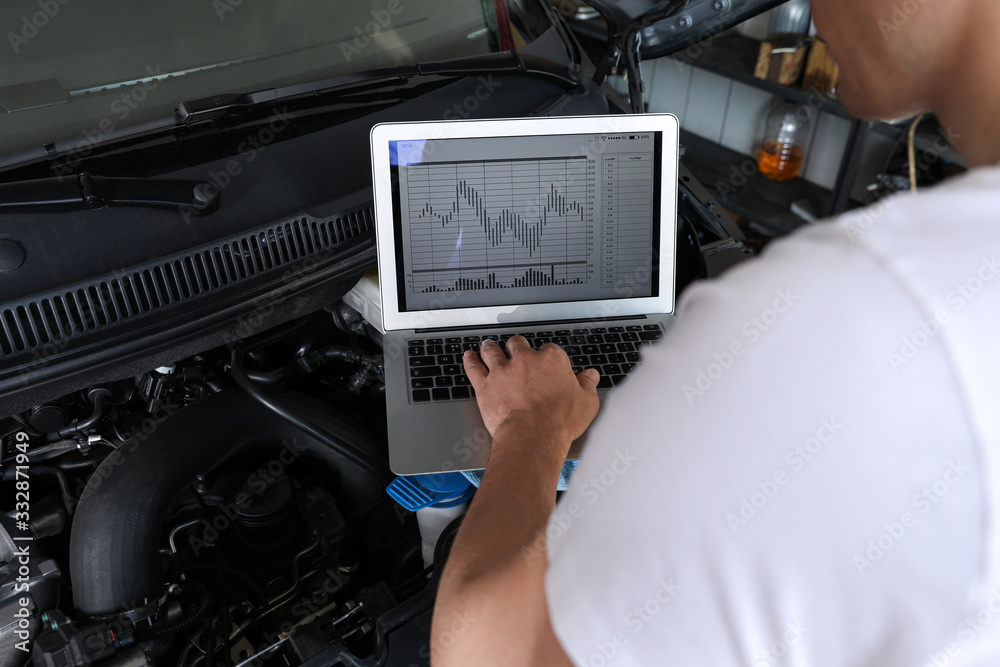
column 437, row 373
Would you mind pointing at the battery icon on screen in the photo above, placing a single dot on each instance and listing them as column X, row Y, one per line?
column 632, row 136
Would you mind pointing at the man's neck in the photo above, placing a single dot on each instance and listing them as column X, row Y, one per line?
column 967, row 99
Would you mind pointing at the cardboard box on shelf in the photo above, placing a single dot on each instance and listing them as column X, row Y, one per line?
column 822, row 74
column 781, row 59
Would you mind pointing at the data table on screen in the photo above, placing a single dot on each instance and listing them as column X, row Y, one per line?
column 626, row 211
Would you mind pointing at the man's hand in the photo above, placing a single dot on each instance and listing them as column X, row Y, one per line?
column 534, row 389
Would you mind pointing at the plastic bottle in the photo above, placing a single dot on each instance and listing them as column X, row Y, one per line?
column 782, row 152
column 437, row 499
column 432, row 521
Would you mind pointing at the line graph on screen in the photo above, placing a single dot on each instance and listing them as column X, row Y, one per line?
column 492, row 224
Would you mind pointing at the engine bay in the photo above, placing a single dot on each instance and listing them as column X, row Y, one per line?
column 227, row 509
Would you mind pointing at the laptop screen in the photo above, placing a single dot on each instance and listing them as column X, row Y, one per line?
column 491, row 221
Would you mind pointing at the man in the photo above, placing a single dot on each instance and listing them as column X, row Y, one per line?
column 806, row 472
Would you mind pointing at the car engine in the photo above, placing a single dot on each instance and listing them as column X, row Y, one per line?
column 226, row 509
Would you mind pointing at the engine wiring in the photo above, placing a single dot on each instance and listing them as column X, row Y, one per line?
column 253, row 583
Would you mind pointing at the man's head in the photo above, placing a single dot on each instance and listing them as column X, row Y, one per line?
column 891, row 52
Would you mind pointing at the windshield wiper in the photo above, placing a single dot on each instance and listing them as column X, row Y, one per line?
column 87, row 190
column 204, row 110
column 208, row 108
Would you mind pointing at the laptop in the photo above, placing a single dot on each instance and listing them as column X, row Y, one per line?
column 559, row 229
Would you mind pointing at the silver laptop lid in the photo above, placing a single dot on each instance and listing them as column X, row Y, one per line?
column 485, row 222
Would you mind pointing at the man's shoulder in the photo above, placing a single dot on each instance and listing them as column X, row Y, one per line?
column 919, row 223
column 928, row 243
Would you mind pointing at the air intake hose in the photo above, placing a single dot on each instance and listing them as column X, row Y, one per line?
column 117, row 529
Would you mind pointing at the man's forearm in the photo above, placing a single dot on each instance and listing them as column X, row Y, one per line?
column 499, row 554
column 514, row 500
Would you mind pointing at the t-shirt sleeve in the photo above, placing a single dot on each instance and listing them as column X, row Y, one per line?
column 768, row 485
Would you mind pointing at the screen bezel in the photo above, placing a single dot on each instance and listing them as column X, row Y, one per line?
column 390, row 248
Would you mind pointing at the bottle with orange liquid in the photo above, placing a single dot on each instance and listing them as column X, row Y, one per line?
column 781, row 154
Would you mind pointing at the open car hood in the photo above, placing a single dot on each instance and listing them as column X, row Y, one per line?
column 668, row 26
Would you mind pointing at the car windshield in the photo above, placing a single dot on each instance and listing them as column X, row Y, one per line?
column 81, row 71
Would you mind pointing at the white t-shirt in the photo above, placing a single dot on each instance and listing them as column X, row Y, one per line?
column 805, row 472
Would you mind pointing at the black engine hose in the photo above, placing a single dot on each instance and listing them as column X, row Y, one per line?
column 280, row 408
column 114, row 562
column 310, row 362
column 70, row 463
column 191, row 620
column 98, row 396
column 60, row 476
column 26, row 426
column 443, row 547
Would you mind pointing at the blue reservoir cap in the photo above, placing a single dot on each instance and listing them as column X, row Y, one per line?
column 441, row 490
